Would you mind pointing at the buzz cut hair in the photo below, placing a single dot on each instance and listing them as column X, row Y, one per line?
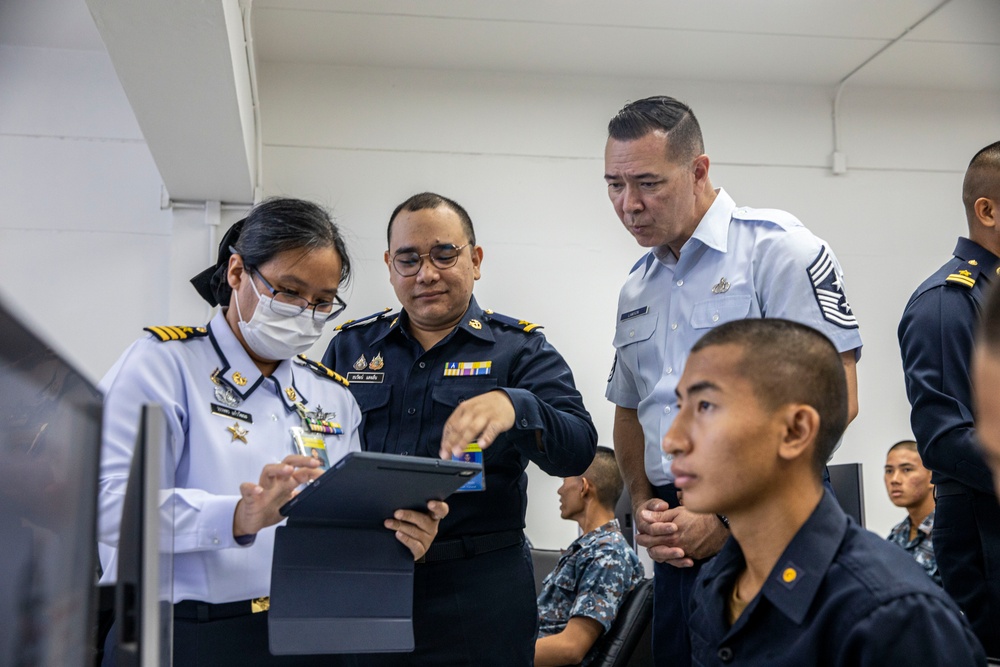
column 903, row 444
column 606, row 477
column 982, row 179
column 787, row 362
column 637, row 119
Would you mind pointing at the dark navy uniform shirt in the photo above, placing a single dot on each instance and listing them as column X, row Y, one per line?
column 936, row 336
column 406, row 394
column 839, row 595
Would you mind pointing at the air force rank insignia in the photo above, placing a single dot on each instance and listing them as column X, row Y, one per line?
column 828, row 287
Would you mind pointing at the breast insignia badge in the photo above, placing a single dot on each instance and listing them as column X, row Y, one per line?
column 239, row 433
column 223, row 392
column 360, row 364
column 722, row 286
column 377, row 363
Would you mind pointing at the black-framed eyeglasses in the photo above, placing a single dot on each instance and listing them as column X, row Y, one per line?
column 442, row 256
column 287, row 304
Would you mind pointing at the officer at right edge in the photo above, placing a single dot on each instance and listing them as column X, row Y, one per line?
column 936, row 340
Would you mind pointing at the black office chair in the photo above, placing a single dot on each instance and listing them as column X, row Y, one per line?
column 543, row 561
column 629, row 641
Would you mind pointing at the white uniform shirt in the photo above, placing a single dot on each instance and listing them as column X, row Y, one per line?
column 739, row 263
column 210, row 460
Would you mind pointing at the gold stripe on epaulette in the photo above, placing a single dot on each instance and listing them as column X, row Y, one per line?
column 321, row 370
column 162, row 333
column 961, row 280
column 165, row 333
column 528, row 326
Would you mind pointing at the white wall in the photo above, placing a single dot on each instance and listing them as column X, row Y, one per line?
column 86, row 250
column 524, row 154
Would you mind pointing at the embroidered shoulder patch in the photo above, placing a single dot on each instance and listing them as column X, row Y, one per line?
column 165, row 333
column 321, row 370
column 828, row 287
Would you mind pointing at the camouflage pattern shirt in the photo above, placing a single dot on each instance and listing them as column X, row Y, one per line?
column 920, row 547
column 590, row 580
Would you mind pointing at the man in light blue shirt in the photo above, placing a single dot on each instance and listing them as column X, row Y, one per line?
column 709, row 262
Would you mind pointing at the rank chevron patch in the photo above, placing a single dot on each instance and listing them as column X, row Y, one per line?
column 828, row 287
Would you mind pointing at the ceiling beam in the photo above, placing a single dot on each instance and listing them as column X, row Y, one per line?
column 183, row 65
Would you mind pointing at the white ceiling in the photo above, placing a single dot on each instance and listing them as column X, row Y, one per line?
column 178, row 58
column 807, row 42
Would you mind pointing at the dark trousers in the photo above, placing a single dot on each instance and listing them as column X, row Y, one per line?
column 672, row 588
column 967, row 547
column 239, row 641
column 478, row 611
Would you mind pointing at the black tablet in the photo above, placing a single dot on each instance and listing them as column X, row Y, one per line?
column 365, row 488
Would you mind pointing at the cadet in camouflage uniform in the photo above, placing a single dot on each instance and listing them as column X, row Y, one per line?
column 581, row 596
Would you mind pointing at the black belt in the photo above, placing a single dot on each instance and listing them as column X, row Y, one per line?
column 951, row 488
column 203, row 612
column 472, row 545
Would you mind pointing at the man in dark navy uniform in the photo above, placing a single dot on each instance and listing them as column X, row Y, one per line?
column 986, row 383
column 762, row 403
column 446, row 378
column 936, row 340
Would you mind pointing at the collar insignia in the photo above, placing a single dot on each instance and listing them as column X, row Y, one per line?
column 475, row 324
column 239, row 379
column 290, row 393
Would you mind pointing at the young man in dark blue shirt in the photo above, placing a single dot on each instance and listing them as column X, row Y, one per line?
column 762, row 404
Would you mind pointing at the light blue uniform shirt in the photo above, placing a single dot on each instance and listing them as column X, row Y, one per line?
column 739, row 263
column 210, row 461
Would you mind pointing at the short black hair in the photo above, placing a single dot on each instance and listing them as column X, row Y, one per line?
column 982, row 179
column 431, row 200
column 606, row 477
column 637, row 119
column 787, row 362
column 904, row 444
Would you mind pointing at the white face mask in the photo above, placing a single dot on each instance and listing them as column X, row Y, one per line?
column 274, row 335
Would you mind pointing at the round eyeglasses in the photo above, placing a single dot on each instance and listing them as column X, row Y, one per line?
column 287, row 304
column 444, row 256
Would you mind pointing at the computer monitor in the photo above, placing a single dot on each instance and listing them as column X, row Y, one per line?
column 143, row 590
column 50, row 442
column 849, row 487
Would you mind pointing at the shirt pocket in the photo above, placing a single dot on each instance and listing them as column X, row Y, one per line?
column 450, row 392
column 719, row 310
column 644, row 362
column 373, row 400
column 635, row 330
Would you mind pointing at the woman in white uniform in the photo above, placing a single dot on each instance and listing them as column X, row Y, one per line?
column 232, row 392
